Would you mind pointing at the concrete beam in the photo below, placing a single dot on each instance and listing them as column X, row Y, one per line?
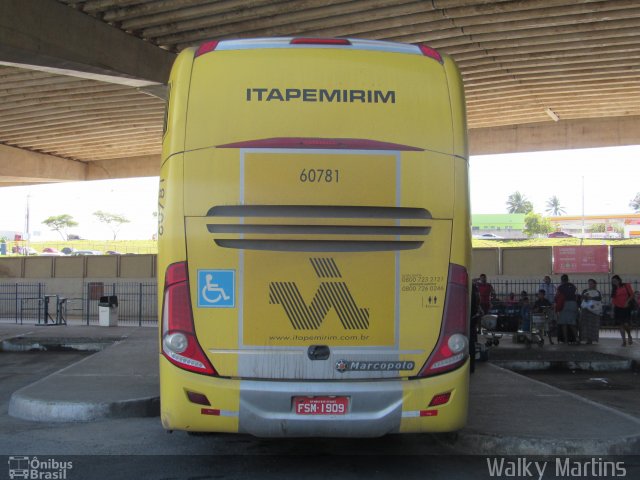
column 18, row 166
column 23, row 167
column 48, row 35
column 561, row 135
column 143, row 166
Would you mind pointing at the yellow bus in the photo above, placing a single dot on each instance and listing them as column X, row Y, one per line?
column 314, row 240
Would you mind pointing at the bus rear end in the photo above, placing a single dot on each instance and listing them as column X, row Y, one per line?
column 314, row 240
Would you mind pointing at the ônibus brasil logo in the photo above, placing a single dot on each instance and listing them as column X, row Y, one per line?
column 38, row 469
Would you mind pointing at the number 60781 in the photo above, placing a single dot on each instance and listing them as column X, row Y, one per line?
column 319, row 175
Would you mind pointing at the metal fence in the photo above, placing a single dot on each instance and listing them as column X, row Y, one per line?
column 137, row 302
column 25, row 303
column 21, row 301
column 509, row 291
column 503, row 289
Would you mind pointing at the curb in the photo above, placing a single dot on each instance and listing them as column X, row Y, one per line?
column 89, row 389
column 25, row 407
column 27, row 344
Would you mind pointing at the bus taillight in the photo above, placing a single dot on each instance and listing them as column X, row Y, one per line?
column 179, row 343
column 430, row 52
column 453, row 344
column 206, row 48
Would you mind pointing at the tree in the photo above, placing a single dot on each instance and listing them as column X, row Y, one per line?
column 604, row 228
column 518, row 203
column 534, row 224
column 60, row 224
column 113, row 221
column 635, row 203
column 554, row 207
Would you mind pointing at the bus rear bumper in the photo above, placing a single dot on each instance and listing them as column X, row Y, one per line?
column 266, row 408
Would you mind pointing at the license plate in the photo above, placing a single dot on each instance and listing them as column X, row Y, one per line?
column 320, row 405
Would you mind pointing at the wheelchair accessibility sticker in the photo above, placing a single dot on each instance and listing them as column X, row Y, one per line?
column 216, row 288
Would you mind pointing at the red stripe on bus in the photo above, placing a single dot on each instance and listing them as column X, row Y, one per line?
column 321, row 143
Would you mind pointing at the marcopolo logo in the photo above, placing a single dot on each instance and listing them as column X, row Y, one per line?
column 38, row 469
column 374, row 366
column 330, row 294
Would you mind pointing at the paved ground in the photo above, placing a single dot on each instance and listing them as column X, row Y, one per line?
column 140, row 448
column 19, row 370
column 510, row 414
column 619, row 390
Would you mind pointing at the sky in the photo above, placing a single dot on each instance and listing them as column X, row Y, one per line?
column 611, row 180
column 134, row 198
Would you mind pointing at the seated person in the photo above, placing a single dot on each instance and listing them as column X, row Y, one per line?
column 511, row 299
column 541, row 302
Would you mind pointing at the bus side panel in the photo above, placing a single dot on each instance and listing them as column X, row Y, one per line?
column 176, row 113
column 449, row 417
column 171, row 235
column 461, row 238
column 178, row 413
column 217, row 329
column 458, row 108
column 214, row 179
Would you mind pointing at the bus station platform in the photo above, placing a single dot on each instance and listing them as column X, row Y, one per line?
column 509, row 414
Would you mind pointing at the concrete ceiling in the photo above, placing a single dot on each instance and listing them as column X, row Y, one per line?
column 78, row 77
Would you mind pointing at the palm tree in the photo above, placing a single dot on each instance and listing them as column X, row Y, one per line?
column 554, row 207
column 518, row 203
column 635, row 203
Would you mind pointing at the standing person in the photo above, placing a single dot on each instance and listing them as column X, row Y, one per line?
column 621, row 298
column 567, row 309
column 525, row 311
column 590, row 313
column 549, row 288
column 476, row 311
column 542, row 306
column 486, row 293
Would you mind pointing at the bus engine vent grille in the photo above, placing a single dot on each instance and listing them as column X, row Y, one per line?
column 318, row 228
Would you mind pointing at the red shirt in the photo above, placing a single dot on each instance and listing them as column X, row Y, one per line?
column 622, row 294
column 484, row 291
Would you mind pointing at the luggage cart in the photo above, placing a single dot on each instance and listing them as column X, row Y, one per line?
column 489, row 324
column 549, row 326
column 533, row 329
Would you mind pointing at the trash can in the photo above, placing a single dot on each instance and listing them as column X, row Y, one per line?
column 108, row 311
column 3, row 248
